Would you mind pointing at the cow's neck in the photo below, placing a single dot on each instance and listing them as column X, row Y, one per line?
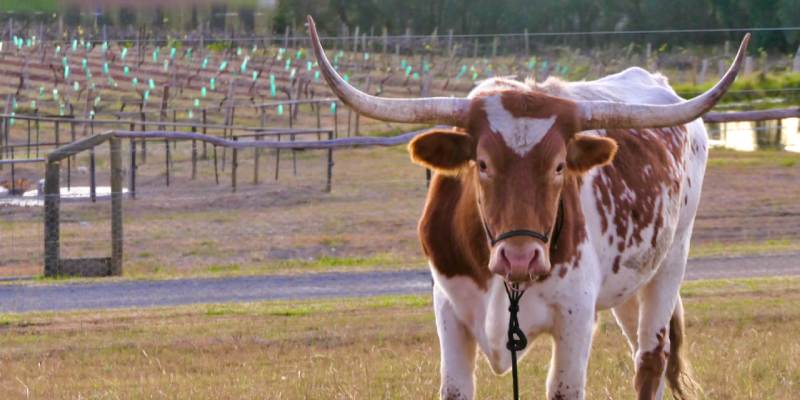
column 573, row 232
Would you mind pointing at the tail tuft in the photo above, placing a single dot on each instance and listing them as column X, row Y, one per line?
column 679, row 374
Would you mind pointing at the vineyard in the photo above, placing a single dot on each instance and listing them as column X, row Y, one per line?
column 301, row 196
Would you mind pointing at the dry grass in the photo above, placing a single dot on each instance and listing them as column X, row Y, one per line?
column 741, row 340
column 197, row 228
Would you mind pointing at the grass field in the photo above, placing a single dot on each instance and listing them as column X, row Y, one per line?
column 742, row 340
column 368, row 221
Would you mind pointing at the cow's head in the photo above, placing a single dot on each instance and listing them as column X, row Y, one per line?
column 519, row 147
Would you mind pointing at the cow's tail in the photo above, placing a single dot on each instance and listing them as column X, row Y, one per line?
column 679, row 373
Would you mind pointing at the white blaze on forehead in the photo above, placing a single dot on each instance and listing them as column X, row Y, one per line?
column 520, row 134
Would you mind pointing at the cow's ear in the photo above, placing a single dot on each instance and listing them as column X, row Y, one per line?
column 585, row 152
column 443, row 151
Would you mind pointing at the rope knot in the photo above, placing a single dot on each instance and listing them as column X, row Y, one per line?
column 516, row 338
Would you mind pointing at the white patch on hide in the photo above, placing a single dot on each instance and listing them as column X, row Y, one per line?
column 520, row 134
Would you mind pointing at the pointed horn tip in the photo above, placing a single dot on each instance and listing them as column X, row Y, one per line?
column 312, row 27
column 745, row 42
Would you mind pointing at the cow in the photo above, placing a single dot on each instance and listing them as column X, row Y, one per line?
column 582, row 194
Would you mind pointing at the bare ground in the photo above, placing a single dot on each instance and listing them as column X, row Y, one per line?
column 196, row 227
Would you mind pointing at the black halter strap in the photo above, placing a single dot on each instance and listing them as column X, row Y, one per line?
column 527, row 232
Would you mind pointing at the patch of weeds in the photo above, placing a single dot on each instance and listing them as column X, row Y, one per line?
column 218, row 269
column 217, row 310
column 201, row 248
column 398, row 301
column 727, row 287
column 758, row 158
column 324, row 262
column 10, row 319
column 717, row 249
column 295, row 311
column 332, row 241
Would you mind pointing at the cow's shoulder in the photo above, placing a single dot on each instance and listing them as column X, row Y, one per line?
column 633, row 85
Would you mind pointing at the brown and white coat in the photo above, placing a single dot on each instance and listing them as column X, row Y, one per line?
column 624, row 246
column 623, row 156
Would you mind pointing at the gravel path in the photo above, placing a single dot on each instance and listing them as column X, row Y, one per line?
column 27, row 296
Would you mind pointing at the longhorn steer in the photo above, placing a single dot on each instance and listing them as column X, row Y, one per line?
column 626, row 190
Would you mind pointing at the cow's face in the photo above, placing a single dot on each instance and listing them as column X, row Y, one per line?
column 518, row 151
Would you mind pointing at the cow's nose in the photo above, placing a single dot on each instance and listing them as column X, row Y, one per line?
column 520, row 263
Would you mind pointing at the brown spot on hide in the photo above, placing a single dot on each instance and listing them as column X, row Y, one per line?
column 650, row 368
column 630, row 188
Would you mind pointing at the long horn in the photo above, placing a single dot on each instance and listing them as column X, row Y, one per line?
column 439, row 110
column 607, row 114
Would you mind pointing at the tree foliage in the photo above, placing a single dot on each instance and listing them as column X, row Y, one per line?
column 505, row 16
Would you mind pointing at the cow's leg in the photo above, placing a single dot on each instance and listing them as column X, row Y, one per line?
column 458, row 350
column 572, row 342
column 627, row 316
column 657, row 304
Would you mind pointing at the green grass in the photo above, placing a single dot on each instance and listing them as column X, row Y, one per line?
column 760, row 158
column 753, row 89
column 741, row 339
column 729, row 249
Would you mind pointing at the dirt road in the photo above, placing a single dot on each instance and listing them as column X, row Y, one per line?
column 26, row 296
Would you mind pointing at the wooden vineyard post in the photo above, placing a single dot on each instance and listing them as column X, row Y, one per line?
column 256, row 152
column 216, row 170
column 116, row 206
column 194, row 154
column 234, row 165
column 143, row 119
column 349, row 119
column 28, row 147
column 132, row 178
column 277, row 159
column 292, row 138
column 450, row 43
column 527, row 44
column 329, row 175
column 205, row 132
column 166, row 158
column 92, row 176
column 319, row 120
column 385, row 40
column 335, row 120
column 796, row 62
column 52, row 200
column 2, row 141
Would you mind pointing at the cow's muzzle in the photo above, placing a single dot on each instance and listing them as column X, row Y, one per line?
column 520, row 261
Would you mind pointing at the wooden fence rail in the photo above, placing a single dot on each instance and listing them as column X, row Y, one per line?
column 751, row 116
column 55, row 266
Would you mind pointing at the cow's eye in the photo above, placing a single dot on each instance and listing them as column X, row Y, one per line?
column 482, row 165
column 560, row 168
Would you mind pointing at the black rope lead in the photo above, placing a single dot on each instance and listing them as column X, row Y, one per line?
column 516, row 338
